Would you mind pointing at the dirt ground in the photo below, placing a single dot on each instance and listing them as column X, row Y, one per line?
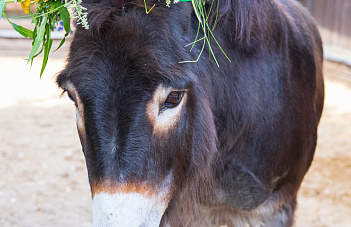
column 43, row 179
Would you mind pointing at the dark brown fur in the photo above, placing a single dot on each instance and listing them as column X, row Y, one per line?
column 248, row 132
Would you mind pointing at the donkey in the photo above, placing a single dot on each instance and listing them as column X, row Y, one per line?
column 193, row 144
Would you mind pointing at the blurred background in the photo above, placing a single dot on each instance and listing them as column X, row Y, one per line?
column 43, row 178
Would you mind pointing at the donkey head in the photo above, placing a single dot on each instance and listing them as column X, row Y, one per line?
column 144, row 120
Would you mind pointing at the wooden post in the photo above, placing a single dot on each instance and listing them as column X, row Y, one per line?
column 309, row 5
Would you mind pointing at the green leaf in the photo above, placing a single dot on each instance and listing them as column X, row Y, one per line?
column 2, row 6
column 47, row 48
column 38, row 39
column 45, row 39
column 66, row 19
column 64, row 15
column 23, row 31
column 61, row 43
column 41, row 50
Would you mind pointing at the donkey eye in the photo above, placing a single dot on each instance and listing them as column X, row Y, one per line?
column 71, row 97
column 174, row 99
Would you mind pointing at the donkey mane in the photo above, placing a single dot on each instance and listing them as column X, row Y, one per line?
column 249, row 17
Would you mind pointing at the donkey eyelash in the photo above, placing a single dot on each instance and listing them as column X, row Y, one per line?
column 71, row 97
column 61, row 95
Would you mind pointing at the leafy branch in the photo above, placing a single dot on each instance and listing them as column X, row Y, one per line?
column 48, row 14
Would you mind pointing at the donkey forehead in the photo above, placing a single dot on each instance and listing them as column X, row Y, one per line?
column 115, row 80
column 140, row 88
column 121, row 99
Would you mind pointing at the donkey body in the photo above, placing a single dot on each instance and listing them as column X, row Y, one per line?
column 194, row 144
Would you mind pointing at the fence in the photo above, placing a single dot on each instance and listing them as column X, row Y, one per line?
column 334, row 20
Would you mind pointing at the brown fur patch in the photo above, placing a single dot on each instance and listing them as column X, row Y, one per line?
column 80, row 107
column 110, row 187
column 80, row 126
column 166, row 120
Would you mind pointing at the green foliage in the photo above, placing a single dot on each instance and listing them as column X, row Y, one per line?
column 78, row 12
column 47, row 15
column 203, row 17
column 23, row 31
column 50, row 12
column 38, row 40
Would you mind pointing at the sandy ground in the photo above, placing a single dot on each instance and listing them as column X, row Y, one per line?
column 43, row 179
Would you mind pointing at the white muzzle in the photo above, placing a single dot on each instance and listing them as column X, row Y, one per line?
column 127, row 210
